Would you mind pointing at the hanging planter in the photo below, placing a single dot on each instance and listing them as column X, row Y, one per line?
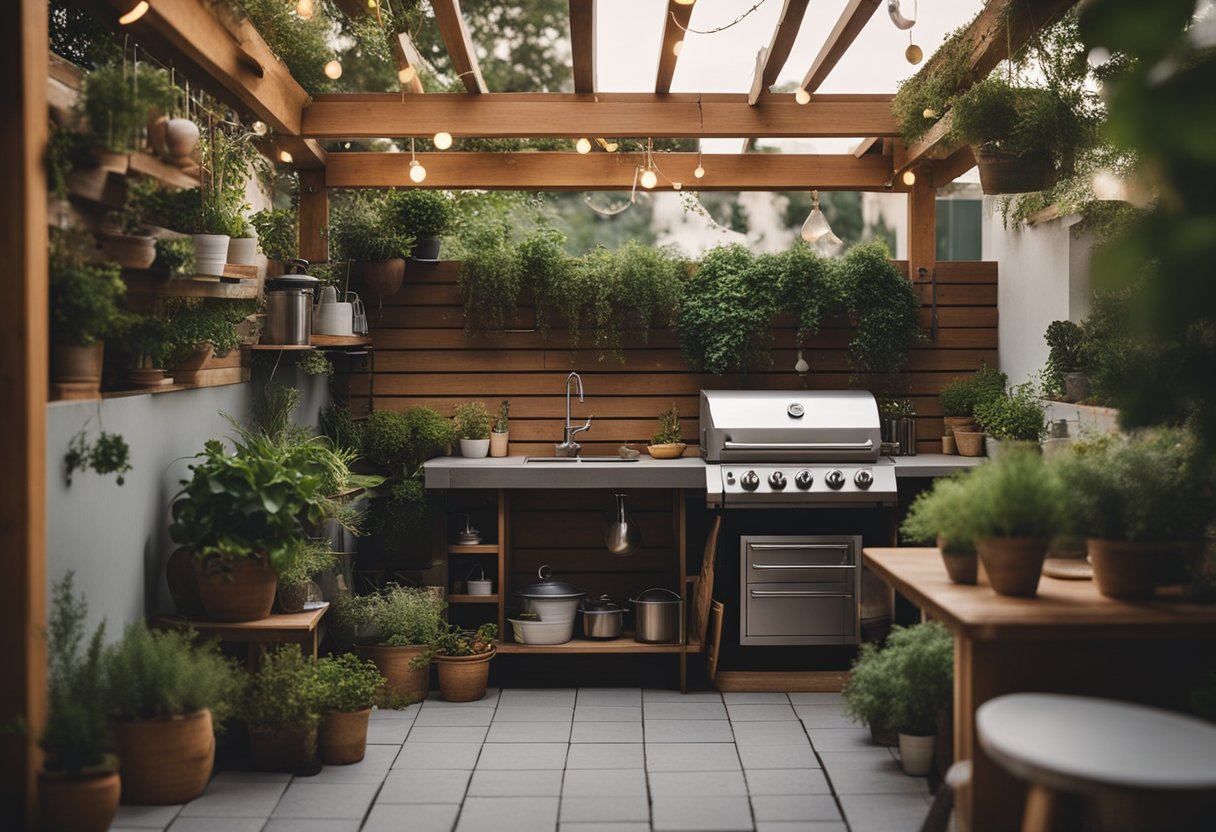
column 1002, row 172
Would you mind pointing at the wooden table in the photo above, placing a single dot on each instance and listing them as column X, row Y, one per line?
column 302, row 628
column 1069, row 639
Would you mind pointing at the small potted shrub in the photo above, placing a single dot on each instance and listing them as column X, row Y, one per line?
column 117, row 99
column 958, row 401
column 472, row 426
column 425, row 215
column 174, row 256
column 282, row 710
column 936, row 516
column 297, row 585
column 869, row 693
column 667, row 443
column 147, row 343
column 125, row 240
column 278, row 237
column 1064, row 376
column 348, row 687
column 364, row 235
column 78, row 784
column 1013, row 419
column 501, row 433
column 243, row 247
column 86, row 308
column 402, row 623
column 464, row 658
column 168, row 696
column 923, row 664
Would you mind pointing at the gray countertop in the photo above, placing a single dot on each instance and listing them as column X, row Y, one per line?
column 686, row 472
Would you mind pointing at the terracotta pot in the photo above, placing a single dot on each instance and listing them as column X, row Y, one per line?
column 916, row 754
column 384, row 278
column 670, row 450
column 143, row 377
column 344, row 736
column 131, row 251
column 463, row 678
column 499, row 443
column 1013, row 564
column 949, row 445
column 203, row 357
column 1004, row 173
column 183, row 583
column 181, row 137
column 74, row 364
column 970, row 442
column 166, row 760
column 962, row 566
column 84, row 804
column 394, row 665
column 953, row 423
column 283, row 749
column 240, row 590
column 1124, row 570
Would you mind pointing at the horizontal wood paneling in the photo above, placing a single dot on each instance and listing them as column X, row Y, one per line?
column 424, row 357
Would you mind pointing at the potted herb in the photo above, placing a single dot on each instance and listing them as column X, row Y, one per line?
column 923, row 662
column 938, row 516
column 78, row 784
column 501, row 433
column 464, row 658
column 125, row 240
column 86, row 308
column 117, row 98
column 243, row 247
column 278, row 237
column 146, row 342
column 959, row 400
column 472, row 428
column 204, row 333
column 282, row 708
column 667, row 443
column 363, row 234
column 869, row 693
column 1064, row 374
column 297, row 584
column 424, row 215
column 402, row 622
column 348, row 687
column 227, row 158
column 168, row 696
column 1013, row 419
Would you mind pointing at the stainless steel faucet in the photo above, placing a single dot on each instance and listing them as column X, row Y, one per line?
column 568, row 447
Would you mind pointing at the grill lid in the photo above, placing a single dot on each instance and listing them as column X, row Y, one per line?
column 798, row 425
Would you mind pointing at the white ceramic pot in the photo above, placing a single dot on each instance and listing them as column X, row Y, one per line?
column 333, row 319
column 181, row 136
column 485, row 587
column 474, row 448
column 916, row 754
column 210, row 253
column 243, row 251
column 553, row 609
column 542, row 632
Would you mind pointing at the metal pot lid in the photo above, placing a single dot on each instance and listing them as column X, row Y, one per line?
column 657, row 595
column 292, row 281
column 603, row 604
column 547, row 587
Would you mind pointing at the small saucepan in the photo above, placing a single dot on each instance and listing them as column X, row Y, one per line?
column 602, row 618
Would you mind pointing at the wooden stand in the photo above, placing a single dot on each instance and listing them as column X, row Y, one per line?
column 302, row 628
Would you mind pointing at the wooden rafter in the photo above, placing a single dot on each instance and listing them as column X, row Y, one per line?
column 852, row 20
column 456, row 38
column 563, row 115
column 788, row 24
column 865, row 146
column 675, row 21
column 609, row 171
column 582, row 44
column 409, row 58
column 953, row 166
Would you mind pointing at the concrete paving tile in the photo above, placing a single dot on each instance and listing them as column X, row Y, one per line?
column 884, row 813
column 777, row 756
column 490, row 700
column 769, row 733
column 606, row 732
column 823, row 716
column 623, row 826
column 388, row 731
column 408, row 712
column 592, row 782
column 443, row 755
column 518, row 756
column 756, row 697
column 421, row 786
column 816, row 698
column 691, row 757
column 335, row 801
column 685, row 710
column 702, row 814
column 145, row 817
column 491, row 783
column 215, row 825
column 251, row 777
column 608, row 713
column 667, row 695
column 416, row 817
column 235, row 800
column 508, row 814
column 315, row 825
column 786, row 781
column 687, row 730
column 600, row 809
column 609, row 697
column 801, row 826
column 869, row 773
column 795, row 807
column 605, row 755
column 446, row 734
column 538, row 713
column 694, row 783
column 529, row 732
column 376, row 762
column 537, row 697
column 761, row 713
column 454, row 716
column 842, row 739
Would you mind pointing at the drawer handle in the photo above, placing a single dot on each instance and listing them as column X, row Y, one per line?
column 802, row 565
column 777, row 547
column 797, row 593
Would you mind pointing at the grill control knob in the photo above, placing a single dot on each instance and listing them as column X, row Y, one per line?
column 864, row 479
column 803, row 479
column 835, row 479
column 776, row 480
column 750, row 481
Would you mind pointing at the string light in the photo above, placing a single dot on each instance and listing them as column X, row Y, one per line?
column 909, row 178
column 929, row 113
column 802, row 96
column 406, row 74
column 685, row 2
column 305, row 9
column 443, row 140
column 583, row 145
column 417, row 171
column 137, row 11
column 699, row 170
column 677, row 186
column 333, row 70
column 285, row 157
column 816, row 229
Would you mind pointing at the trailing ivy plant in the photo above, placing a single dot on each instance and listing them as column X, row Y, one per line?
column 547, row 271
column 807, row 289
column 885, row 306
column 489, row 283
column 725, row 323
column 107, row 454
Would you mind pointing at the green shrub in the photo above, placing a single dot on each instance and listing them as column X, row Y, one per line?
column 194, row 322
column 420, row 213
column 1017, row 416
column 393, row 441
column 472, row 421
column 86, row 300
column 312, row 557
column 885, row 305
column 924, row 666
column 490, row 281
column 174, row 256
column 935, row 513
column 961, row 396
column 1065, row 340
column 278, row 233
column 116, row 98
column 808, row 289
column 363, row 231
column 1016, row 495
column 548, row 273
column 284, row 693
column 401, row 616
column 346, row 683
column 871, row 689
column 669, row 428
column 725, row 318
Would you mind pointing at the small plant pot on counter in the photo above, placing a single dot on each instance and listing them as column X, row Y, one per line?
column 78, row 804
column 499, row 443
column 166, row 761
column 954, row 424
column 395, row 665
column 343, row 737
column 210, row 253
column 283, row 749
column 949, row 445
column 671, row 450
column 970, row 442
column 239, row 589
column 475, row 448
column 916, row 754
column 961, row 565
column 426, row 249
column 1013, row 564
column 131, row 251
column 464, row 678
column 1127, row 571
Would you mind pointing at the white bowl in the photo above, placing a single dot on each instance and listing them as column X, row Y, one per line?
column 542, row 632
column 552, row 609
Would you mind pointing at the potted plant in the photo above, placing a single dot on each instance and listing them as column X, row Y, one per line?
column 1064, row 375
column 227, row 159
column 125, row 240
column 667, row 443
column 282, row 710
column 168, row 697
column 174, row 256
column 348, row 687
column 958, row 401
column 1141, row 503
column 472, row 428
column 1016, row 418
column 78, row 784
column 117, row 98
column 425, row 216
column 296, row 582
column 938, row 516
column 501, row 433
column 1011, row 507
column 86, row 308
column 364, row 234
column 463, row 657
column 869, row 693
column 402, row 623
column 278, row 237
column 243, row 247
column 923, row 663
column 204, row 333
column 146, row 342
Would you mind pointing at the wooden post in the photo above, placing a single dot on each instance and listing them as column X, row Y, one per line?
column 922, row 224
column 314, row 215
column 23, row 387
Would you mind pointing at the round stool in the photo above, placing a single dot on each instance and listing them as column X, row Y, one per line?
column 1131, row 767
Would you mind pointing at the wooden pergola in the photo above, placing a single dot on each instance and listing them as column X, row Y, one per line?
column 231, row 60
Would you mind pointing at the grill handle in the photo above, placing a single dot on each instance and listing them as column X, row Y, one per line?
column 730, row 445
column 800, row 565
column 797, row 593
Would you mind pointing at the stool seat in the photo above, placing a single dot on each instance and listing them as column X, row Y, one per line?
column 1080, row 744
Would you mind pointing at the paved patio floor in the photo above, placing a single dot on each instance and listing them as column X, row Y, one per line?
column 586, row 760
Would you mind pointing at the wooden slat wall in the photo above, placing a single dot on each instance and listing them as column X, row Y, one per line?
column 423, row 356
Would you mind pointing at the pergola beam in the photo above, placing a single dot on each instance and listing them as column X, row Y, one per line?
column 582, row 44
column 563, row 115
column 459, row 45
column 788, row 24
column 408, row 58
column 852, row 20
column 675, row 21
column 553, row 171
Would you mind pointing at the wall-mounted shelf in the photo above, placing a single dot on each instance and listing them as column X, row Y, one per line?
column 281, row 347
column 473, row 549
column 473, row 599
column 199, row 286
column 338, row 341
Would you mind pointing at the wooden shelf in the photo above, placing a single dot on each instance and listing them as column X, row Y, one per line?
column 144, row 391
column 624, row 644
column 281, row 347
column 473, row 599
column 473, row 549
column 323, row 341
column 194, row 287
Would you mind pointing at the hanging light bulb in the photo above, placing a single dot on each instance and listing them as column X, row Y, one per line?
column 417, row 171
column 816, row 229
column 305, row 9
column 802, row 96
column 259, row 128
column 443, row 140
column 333, row 69
column 800, row 366
column 685, row 2
column 677, row 186
column 699, row 170
column 406, row 74
column 583, row 145
column 137, row 11
column 649, row 178
column 909, row 178
column 285, row 157
column 929, row 112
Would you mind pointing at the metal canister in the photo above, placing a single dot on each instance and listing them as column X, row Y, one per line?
column 659, row 617
column 289, row 309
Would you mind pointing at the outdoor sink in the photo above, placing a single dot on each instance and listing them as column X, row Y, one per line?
column 594, row 459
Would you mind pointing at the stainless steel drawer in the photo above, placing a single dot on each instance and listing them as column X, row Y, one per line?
column 771, row 559
column 798, row 611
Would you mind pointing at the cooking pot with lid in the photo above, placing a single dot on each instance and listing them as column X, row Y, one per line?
column 289, row 307
column 659, row 615
column 551, row 599
column 603, row 618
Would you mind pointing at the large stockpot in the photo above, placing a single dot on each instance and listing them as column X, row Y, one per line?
column 554, row 601
column 289, row 310
column 602, row 618
column 659, row 615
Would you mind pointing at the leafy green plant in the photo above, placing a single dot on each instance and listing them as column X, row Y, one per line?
column 66, row 150
column 337, row 422
column 725, row 318
column 158, row 674
column 1065, row 340
column 936, row 513
column 284, row 693
column 303, row 45
column 472, row 421
column 501, row 423
column 457, row 641
column 885, row 306
column 313, row 556
column 174, row 256
column 490, row 282
column 922, row 99
column 278, row 233
column 315, row 363
column 961, row 396
column 395, row 442
column 1016, row 416
column 548, row 272
column 363, row 230
column 85, row 298
column 147, row 341
column 420, row 213
column 923, row 662
column 669, row 428
column 228, row 157
column 347, row 683
column 116, row 99
column 871, row 689
column 77, row 735
column 109, row 453
column 400, row 616
column 1015, row 495
column 808, row 289
column 195, row 322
